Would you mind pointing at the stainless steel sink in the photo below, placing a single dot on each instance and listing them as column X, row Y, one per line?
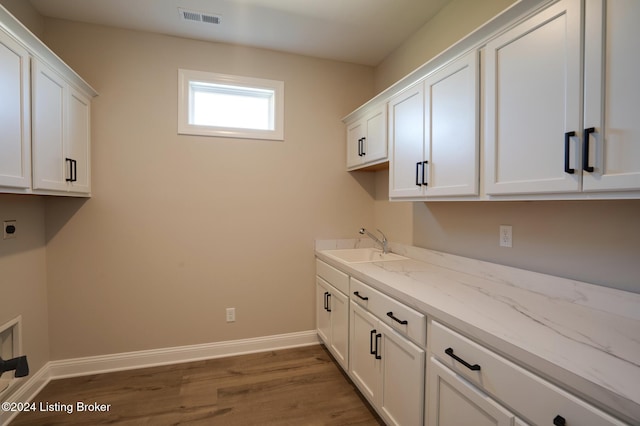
column 362, row 255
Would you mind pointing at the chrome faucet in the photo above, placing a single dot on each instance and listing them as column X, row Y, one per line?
column 384, row 243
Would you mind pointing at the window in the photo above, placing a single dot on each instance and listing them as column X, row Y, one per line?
column 212, row 104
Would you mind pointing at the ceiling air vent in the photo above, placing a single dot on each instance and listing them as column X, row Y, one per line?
column 193, row 16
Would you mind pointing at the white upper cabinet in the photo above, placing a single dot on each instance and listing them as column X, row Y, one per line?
column 45, row 114
column 61, row 134
column 452, row 142
column 433, row 134
column 15, row 139
column 558, row 95
column 543, row 134
column 612, row 94
column 406, row 143
column 78, row 141
column 532, row 84
column 367, row 139
column 49, row 99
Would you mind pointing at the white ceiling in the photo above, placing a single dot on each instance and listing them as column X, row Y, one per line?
column 359, row 31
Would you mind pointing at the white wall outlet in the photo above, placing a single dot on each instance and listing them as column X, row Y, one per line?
column 231, row 314
column 9, row 229
column 506, row 236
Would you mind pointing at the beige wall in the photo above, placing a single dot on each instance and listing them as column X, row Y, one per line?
column 456, row 20
column 592, row 241
column 23, row 280
column 181, row 227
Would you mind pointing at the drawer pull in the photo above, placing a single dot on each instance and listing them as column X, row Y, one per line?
column 361, row 297
column 474, row 367
column 403, row 322
column 559, row 421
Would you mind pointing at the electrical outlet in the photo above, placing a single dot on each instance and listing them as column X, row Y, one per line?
column 231, row 314
column 506, row 236
column 9, row 229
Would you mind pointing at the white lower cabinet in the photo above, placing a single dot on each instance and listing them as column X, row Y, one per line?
column 387, row 368
column 454, row 401
column 382, row 344
column 465, row 368
column 332, row 311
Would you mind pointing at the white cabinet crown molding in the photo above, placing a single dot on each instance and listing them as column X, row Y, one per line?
column 37, row 48
column 510, row 16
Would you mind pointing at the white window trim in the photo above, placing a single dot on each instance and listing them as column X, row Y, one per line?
column 184, row 128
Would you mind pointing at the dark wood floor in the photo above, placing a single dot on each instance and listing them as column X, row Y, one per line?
column 301, row 386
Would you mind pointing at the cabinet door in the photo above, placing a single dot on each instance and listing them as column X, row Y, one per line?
column 78, row 141
column 15, row 133
column 48, row 113
column 612, row 90
column 364, row 367
column 355, row 133
column 453, row 401
column 339, row 305
column 402, row 390
column 323, row 316
column 451, row 129
column 375, row 139
column 532, row 99
column 406, row 143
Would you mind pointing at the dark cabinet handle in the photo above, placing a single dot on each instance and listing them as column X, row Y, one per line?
column 361, row 297
column 403, row 322
column 73, row 170
column 559, row 421
column 585, row 149
column 363, row 151
column 424, row 167
column 69, row 160
column 567, row 151
column 328, row 302
column 74, row 177
column 474, row 367
column 378, row 336
column 371, row 338
column 418, row 173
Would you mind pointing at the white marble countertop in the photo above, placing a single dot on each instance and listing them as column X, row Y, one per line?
column 582, row 336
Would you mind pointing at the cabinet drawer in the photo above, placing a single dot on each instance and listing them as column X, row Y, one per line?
column 535, row 399
column 407, row 321
column 336, row 278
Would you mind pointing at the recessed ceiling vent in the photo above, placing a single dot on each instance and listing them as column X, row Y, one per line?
column 193, row 16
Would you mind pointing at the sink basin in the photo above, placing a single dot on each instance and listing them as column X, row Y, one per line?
column 362, row 255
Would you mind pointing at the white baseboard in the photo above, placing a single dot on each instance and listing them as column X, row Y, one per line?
column 154, row 357
column 25, row 392
column 151, row 358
